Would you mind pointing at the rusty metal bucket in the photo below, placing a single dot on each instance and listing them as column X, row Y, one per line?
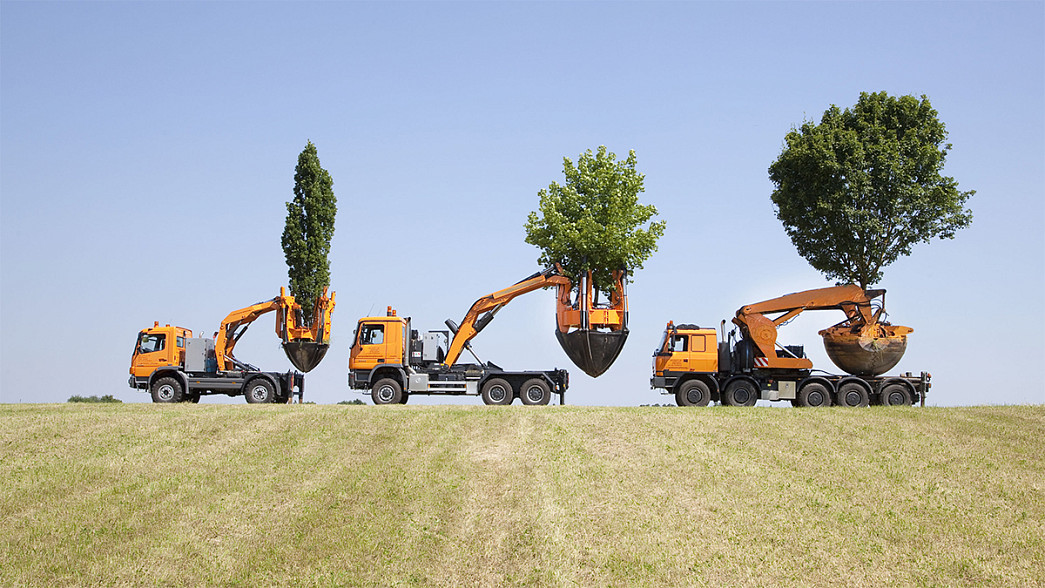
column 305, row 355
column 592, row 351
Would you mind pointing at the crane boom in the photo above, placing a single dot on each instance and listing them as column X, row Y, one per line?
column 855, row 302
column 490, row 304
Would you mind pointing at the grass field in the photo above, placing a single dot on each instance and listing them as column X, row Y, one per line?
column 472, row 495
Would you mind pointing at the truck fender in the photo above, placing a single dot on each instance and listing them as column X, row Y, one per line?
column 905, row 383
column 711, row 382
column 276, row 386
column 827, row 384
column 859, row 381
column 543, row 375
column 165, row 372
column 758, row 387
column 393, row 371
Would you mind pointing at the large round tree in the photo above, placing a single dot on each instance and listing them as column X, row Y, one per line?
column 857, row 190
column 594, row 221
column 309, row 230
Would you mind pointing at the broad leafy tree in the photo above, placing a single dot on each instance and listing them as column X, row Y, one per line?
column 857, row 190
column 594, row 220
column 309, row 230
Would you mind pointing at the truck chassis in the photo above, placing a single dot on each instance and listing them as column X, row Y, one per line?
column 806, row 388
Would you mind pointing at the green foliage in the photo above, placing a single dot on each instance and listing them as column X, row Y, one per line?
column 856, row 191
column 309, row 230
column 594, row 221
column 106, row 398
column 356, row 401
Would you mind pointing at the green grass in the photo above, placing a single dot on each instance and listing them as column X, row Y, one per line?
column 447, row 495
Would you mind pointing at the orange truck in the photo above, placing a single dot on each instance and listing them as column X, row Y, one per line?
column 696, row 367
column 174, row 366
column 393, row 361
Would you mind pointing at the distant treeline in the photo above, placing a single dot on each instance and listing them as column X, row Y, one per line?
column 106, row 398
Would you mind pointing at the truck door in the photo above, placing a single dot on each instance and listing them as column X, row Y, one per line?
column 693, row 352
column 372, row 349
column 703, row 353
column 152, row 351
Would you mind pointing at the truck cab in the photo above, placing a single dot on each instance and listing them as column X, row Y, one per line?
column 158, row 347
column 378, row 341
column 686, row 349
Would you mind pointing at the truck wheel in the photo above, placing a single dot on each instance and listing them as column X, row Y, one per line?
column 740, row 393
column 497, row 392
column 813, row 394
column 167, row 390
column 896, row 395
column 693, row 393
column 260, row 391
column 852, row 395
column 387, row 391
column 193, row 397
column 535, row 392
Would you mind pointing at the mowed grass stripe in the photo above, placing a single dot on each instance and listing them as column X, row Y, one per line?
column 473, row 495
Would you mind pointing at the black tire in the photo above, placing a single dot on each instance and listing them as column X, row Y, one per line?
column 167, row 391
column 535, row 392
column 387, row 391
column 260, row 391
column 497, row 392
column 852, row 395
column 740, row 393
column 406, row 398
column 693, row 393
column 813, row 394
column 896, row 395
column 192, row 397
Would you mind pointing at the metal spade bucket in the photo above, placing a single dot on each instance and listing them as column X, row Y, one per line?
column 592, row 351
column 305, row 355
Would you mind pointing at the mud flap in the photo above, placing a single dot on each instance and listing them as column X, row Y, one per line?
column 305, row 355
column 592, row 351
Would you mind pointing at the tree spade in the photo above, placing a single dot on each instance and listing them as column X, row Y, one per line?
column 309, row 230
column 594, row 221
column 858, row 190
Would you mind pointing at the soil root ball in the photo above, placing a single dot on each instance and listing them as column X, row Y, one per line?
column 869, row 352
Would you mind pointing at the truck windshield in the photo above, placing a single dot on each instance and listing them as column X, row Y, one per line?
column 663, row 344
column 148, row 343
column 372, row 334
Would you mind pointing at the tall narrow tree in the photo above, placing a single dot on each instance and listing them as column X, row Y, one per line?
column 309, row 230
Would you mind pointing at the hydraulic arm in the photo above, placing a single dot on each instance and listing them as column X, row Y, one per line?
column 863, row 323
column 591, row 334
column 484, row 309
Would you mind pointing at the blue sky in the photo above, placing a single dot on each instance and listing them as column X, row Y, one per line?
column 147, row 151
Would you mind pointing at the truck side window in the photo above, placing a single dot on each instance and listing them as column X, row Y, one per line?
column 699, row 343
column 679, row 343
column 372, row 335
column 151, row 343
